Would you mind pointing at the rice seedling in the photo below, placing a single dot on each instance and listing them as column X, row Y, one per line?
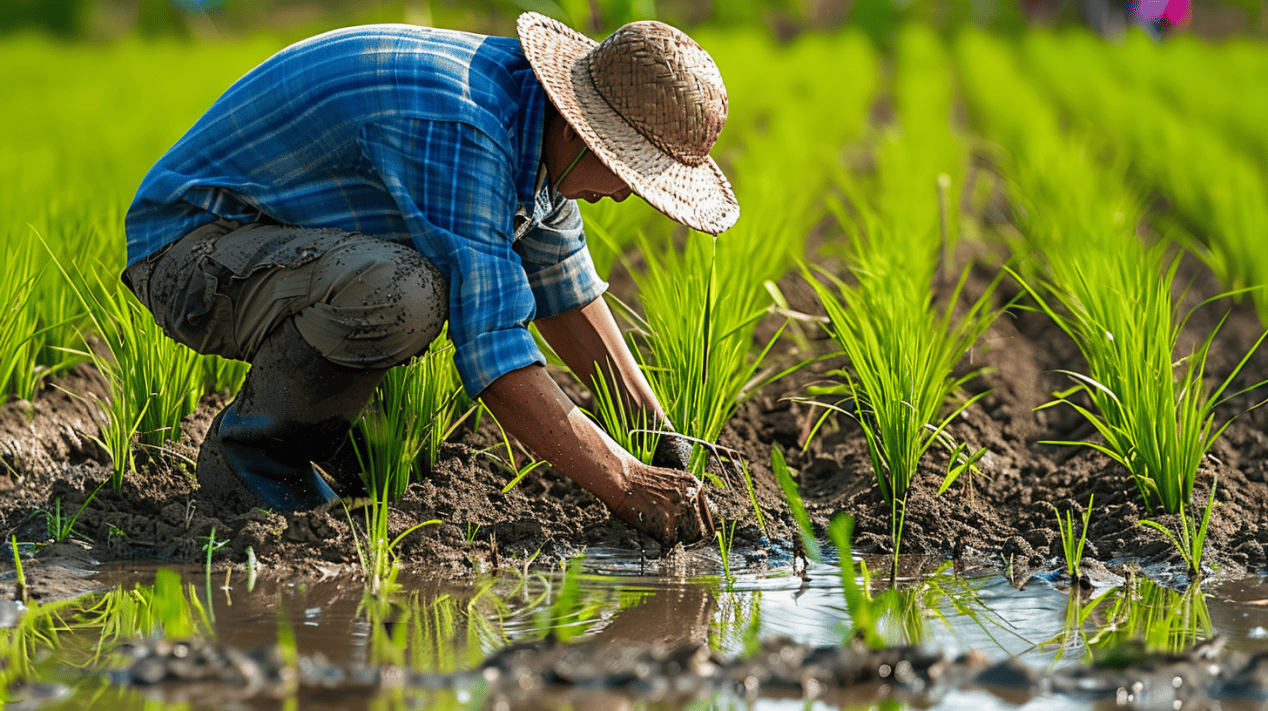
column 634, row 431
column 1072, row 541
column 1110, row 293
column 903, row 357
column 377, row 552
column 17, row 324
column 1220, row 190
column 792, row 496
column 726, row 539
column 902, row 349
column 19, row 589
column 210, row 546
column 1190, row 540
column 697, row 354
column 413, row 410
column 154, row 381
column 61, row 527
column 1157, row 423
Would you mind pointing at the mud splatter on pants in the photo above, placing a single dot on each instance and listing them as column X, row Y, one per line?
column 360, row 301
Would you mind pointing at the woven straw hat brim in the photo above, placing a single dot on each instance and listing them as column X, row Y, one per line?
column 697, row 196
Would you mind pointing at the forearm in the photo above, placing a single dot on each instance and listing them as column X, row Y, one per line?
column 669, row 505
column 589, row 342
column 532, row 408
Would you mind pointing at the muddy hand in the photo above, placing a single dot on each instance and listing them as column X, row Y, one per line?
column 668, row 505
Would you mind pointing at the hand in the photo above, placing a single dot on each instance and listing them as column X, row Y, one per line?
column 668, row 505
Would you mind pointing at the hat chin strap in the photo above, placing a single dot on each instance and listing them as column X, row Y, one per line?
column 573, row 164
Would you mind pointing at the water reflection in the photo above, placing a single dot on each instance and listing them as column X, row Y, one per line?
column 432, row 634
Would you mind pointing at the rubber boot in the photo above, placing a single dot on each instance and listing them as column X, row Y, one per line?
column 294, row 408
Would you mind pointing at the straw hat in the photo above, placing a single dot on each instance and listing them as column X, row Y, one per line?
column 650, row 103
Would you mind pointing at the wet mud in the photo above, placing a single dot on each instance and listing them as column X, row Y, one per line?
column 550, row 674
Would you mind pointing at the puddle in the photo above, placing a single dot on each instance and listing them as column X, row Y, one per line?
column 411, row 650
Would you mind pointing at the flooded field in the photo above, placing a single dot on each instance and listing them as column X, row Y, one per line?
column 611, row 631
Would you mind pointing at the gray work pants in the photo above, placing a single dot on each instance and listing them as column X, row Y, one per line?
column 360, row 301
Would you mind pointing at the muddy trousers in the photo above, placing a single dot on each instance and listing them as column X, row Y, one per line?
column 320, row 314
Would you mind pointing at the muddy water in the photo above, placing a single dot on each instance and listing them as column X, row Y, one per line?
column 434, row 632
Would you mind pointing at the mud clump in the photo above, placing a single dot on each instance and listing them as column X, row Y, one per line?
column 529, row 674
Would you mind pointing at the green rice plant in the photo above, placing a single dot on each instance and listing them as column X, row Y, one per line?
column 903, row 349
column 413, row 410
column 60, row 526
column 17, row 324
column 154, row 381
column 903, row 356
column 19, row 589
column 224, row 375
column 377, row 552
column 1221, row 191
column 1109, row 292
column 1157, row 421
column 696, row 354
column 792, row 496
column 1072, row 541
column 210, row 546
column 634, row 431
column 1191, row 538
column 510, row 464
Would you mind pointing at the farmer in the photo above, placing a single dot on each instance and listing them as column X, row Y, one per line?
column 343, row 199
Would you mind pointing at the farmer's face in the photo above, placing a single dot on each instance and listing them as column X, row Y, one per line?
column 591, row 180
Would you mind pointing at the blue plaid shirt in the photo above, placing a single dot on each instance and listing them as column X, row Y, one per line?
column 406, row 133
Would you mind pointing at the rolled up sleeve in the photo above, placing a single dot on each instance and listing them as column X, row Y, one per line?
column 560, row 273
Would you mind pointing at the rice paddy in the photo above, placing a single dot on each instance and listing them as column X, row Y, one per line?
column 984, row 278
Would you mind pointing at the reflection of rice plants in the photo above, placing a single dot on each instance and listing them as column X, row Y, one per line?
column 1146, row 615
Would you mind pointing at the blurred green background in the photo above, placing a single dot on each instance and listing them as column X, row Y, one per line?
column 218, row 19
